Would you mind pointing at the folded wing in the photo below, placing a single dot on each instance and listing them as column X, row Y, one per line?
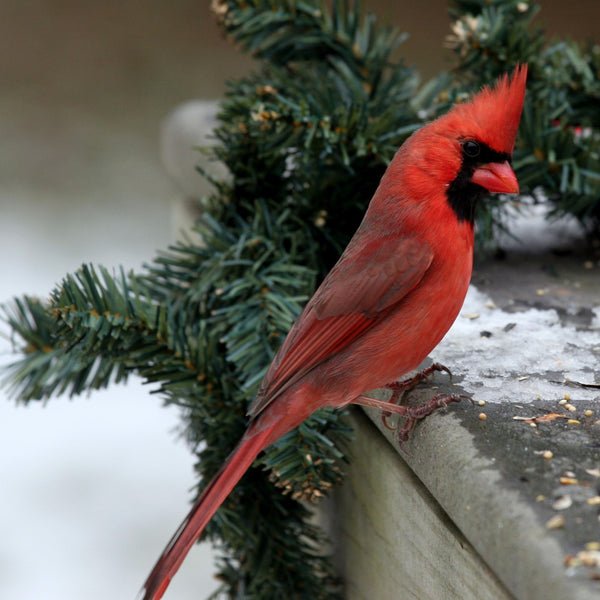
column 360, row 290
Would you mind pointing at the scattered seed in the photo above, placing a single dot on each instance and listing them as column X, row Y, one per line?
column 567, row 396
column 471, row 316
column 570, row 407
column 548, row 454
column 594, row 501
column 593, row 472
column 569, row 481
column 481, row 403
column 562, row 402
column 482, row 416
column 573, row 422
column 592, row 546
column 489, row 304
column 562, row 502
column 540, row 498
column 588, row 413
column 532, row 424
column 589, row 559
column 523, row 378
column 555, row 522
column 572, row 561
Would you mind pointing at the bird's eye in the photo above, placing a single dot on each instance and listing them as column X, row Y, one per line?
column 471, row 148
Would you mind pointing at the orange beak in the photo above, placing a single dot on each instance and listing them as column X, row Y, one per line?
column 496, row 177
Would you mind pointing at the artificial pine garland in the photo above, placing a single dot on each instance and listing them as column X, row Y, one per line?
column 305, row 138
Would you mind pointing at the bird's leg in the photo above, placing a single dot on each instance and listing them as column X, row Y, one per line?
column 412, row 414
column 400, row 387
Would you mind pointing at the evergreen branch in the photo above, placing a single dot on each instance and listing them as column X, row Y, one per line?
column 285, row 33
column 92, row 332
column 300, row 142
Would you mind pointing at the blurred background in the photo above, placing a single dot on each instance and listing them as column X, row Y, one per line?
column 92, row 488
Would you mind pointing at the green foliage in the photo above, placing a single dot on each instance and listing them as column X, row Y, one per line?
column 335, row 115
column 306, row 139
column 82, row 339
column 288, row 32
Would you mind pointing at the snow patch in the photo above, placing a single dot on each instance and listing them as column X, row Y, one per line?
column 521, row 356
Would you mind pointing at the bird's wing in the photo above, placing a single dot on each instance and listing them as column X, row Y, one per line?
column 358, row 291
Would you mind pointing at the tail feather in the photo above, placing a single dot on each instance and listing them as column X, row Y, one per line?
column 203, row 510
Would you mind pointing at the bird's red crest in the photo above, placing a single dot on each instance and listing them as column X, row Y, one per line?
column 493, row 114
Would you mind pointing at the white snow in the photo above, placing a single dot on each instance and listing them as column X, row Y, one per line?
column 526, row 352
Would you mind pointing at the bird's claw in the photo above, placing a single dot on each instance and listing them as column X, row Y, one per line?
column 416, row 413
column 400, row 387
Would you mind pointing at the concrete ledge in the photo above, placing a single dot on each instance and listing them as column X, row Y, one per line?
column 392, row 539
column 461, row 510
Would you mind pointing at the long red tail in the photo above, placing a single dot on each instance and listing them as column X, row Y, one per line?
column 201, row 513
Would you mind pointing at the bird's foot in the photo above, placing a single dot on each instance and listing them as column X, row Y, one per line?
column 416, row 413
column 412, row 414
column 398, row 388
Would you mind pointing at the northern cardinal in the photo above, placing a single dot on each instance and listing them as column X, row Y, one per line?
column 391, row 297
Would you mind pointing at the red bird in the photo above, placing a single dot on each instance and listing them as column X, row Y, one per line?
column 391, row 297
